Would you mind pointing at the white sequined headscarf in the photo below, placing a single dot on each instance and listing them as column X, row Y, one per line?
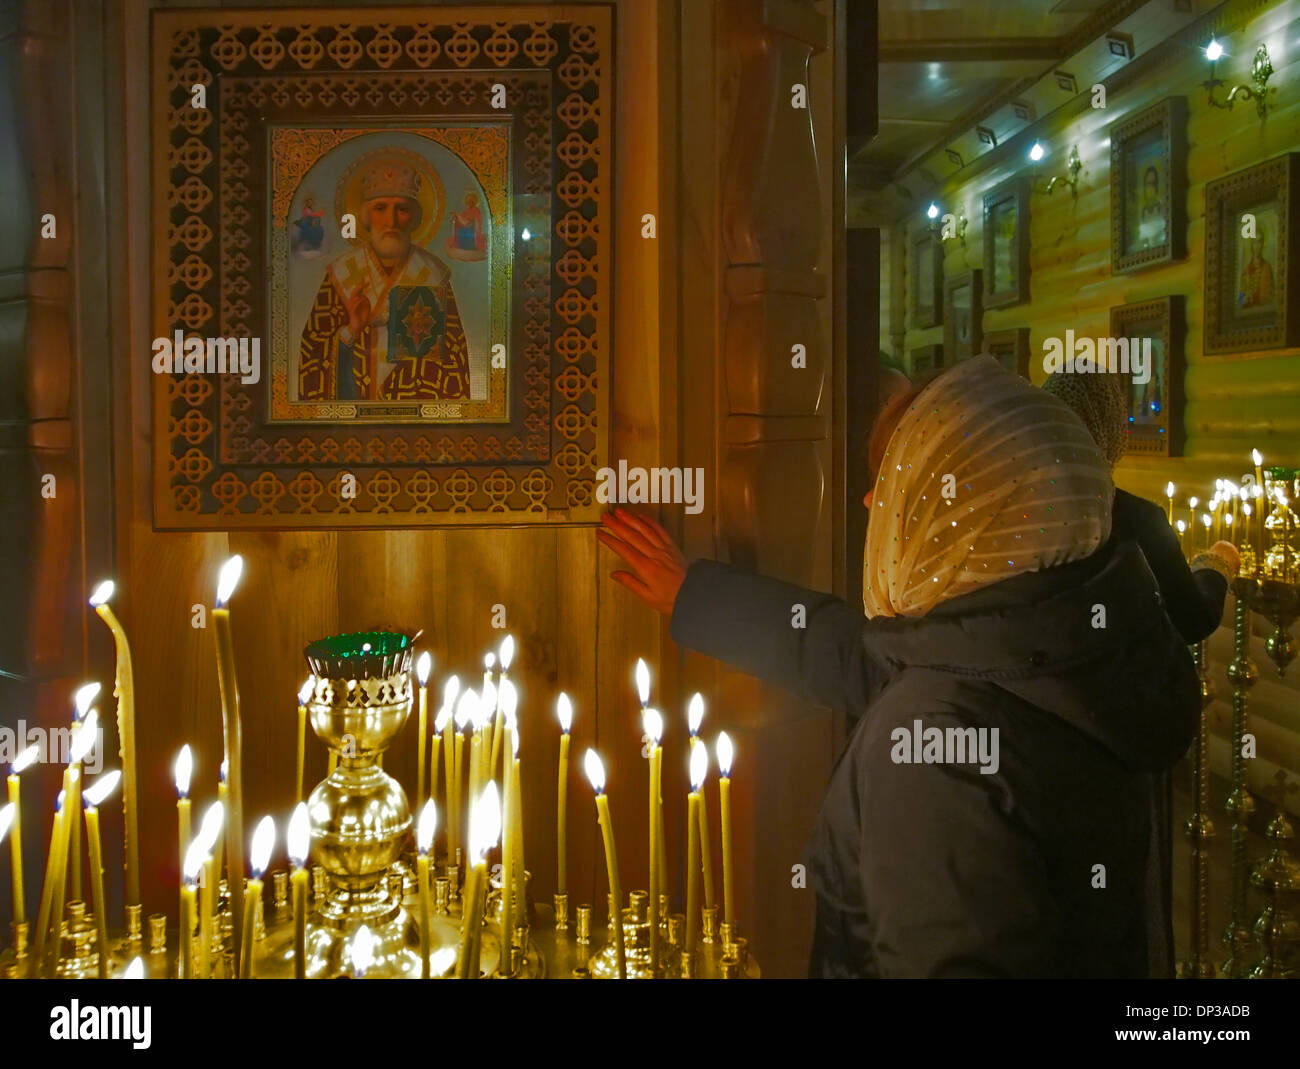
column 985, row 477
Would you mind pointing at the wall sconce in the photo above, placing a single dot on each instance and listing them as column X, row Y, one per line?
column 1073, row 165
column 1261, row 70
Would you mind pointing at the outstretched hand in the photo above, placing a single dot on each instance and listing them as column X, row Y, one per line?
column 657, row 565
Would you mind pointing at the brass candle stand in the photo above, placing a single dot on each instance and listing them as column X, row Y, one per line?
column 1242, row 674
column 1200, row 830
column 1277, row 930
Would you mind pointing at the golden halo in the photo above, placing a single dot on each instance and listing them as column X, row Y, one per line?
column 432, row 196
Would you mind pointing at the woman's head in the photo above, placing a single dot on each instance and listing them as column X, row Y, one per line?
column 1100, row 400
column 984, row 477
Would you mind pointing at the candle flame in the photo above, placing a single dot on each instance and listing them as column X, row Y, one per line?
column 299, row 838
column 363, row 950
column 653, row 723
column 213, row 817
column 1169, row 489
column 263, row 842
column 514, row 742
column 485, row 823
column 194, row 858
column 440, row 721
column 509, row 699
column 699, row 767
column 507, row 652
column 726, row 753
column 422, row 667
column 304, row 692
column 642, row 680
column 83, row 737
column 104, row 786
column 1205, row 519
column 24, row 760
column 427, row 827
column 442, row 960
column 489, row 661
column 695, row 713
column 134, row 971
column 1181, row 526
column 1218, row 485
column 102, row 593
column 1258, row 491
column 229, row 579
column 465, row 709
column 224, row 771
column 1244, row 493
column 6, row 818
column 1227, row 519
column 183, row 769
column 595, row 769
column 449, row 691
column 1192, row 502
column 564, row 712
column 1256, row 457
column 86, row 694
column 1245, row 510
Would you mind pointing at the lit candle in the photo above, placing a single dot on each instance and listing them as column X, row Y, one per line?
column 509, row 831
column 1261, row 515
column 223, row 796
column 94, row 798
column 53, row 874
column 699, row 769
column 440, row 723
column 258, row 858
column 564, row 713
column 20, row 763
column 1246, row 512
column 230, row 716
column 489, row 691
column 81, row 701
column 1257, row 458
column 425, row 830
column 484, row 831
column 124, row 689
column 1205, row 522
column 694, row 719
column 209, row 836
column 1182, row 529
column 470, row 703
column 653, row 724
column 83, row 740
column 7, row 814
column 183, row 768
column 304, row 694
column 1169, row 502
column 596, row 774
column 464, row 725
column 449, row 741
column 1216, row 516
column 506, row 655
column 726, row 752
column 422, row 667
column 134, row 970
column 194, row 858
column 363, row 952
column 517, row 823
column 299, row 842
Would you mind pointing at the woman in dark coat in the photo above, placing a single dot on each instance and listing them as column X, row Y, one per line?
column 1000, row 615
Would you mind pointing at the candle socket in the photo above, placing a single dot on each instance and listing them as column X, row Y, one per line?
column 561, row 912
column 280, row 889
column 20, row 940
column 738, row 949
column 676, row 925
column 441, row 895
column 134, row 929
column 688, row 966
column 396, row 887
column 730, row 968
column 319, row 884
column 583, row 928
column 453, row 879
column 727, row 932
column 157, row 933
column 709, row 928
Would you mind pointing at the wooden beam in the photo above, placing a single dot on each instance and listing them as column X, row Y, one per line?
column 972, row 50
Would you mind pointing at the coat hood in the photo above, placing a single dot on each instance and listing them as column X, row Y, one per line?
column 1089, row 643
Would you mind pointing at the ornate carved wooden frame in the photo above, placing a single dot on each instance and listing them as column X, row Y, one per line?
column 1170, row 118
column 1167, row 313
column 1226, row 201
column 1015, row 190
column 219, row 462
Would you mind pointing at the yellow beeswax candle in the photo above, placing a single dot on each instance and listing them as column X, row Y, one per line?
column 304, row 694
column 194, row 858
column 422, row 722
column 230, row 715
column 94, row 798
column 424, row 842
column 20, row 763
column 653, row 724
column 124, row 689
column 299, row 842
column 699, row 766
column 484, row 831
column 595, row 770
column 259, row 857
column 726, row 752
column 58, row 846
column 564, row 712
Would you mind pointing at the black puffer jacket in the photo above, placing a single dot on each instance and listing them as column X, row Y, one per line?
column 1049, row 866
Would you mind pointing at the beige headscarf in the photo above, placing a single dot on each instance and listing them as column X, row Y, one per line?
column 1029, row 490
column 1100, row 399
